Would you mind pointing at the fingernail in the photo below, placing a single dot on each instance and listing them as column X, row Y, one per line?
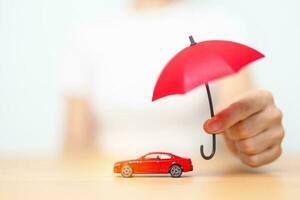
column 213, row 125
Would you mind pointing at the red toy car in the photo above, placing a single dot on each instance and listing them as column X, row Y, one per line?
column 154, row 163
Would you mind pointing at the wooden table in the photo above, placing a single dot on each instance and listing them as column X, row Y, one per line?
column 221, row 178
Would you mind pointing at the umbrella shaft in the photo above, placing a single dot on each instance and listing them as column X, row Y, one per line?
column 213, row 136
column 211, row 107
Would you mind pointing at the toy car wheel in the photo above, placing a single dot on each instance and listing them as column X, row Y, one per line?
column 126, row 171
column 176, row 171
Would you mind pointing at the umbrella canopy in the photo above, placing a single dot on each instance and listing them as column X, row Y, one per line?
column 201, row 63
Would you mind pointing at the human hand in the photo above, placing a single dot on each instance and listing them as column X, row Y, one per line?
column 252, row 128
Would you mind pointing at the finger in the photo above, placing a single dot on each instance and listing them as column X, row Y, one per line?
column 261, row 142
column 231, row 145
column 252, row 103
column 254, row 125
column 263, row 158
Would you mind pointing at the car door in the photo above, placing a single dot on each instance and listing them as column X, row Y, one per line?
column 165, row 162
column 150, row 164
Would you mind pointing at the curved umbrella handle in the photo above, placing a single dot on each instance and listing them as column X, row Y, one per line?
column 213, row 136
column 213, row 151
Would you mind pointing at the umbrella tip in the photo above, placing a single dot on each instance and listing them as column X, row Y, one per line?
column 192, row 40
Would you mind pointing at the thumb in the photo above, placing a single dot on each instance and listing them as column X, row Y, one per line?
column 246, row 106
column 227, row 118
column 214, row 125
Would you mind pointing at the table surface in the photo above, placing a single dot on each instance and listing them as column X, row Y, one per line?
column 92, row 178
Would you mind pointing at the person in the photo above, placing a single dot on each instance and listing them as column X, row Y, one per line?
column 109, row 74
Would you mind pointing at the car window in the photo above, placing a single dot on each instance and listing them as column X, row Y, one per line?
column 151, row 156
column 164, row 156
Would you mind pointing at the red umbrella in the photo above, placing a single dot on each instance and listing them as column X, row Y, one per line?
column 201, row 63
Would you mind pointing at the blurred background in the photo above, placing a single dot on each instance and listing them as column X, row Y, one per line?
column 34, row 34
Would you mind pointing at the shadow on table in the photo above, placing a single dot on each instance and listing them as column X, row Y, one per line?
column 185, row 176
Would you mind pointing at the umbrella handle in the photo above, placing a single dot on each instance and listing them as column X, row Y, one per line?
column 213, row 151
column 213, row 136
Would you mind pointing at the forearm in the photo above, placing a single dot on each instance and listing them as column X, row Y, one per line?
column 229, row 88
column 79, row 132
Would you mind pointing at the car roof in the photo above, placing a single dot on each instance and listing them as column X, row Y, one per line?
column 157, row 152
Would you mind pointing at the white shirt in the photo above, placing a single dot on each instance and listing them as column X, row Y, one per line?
column 115, row 63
